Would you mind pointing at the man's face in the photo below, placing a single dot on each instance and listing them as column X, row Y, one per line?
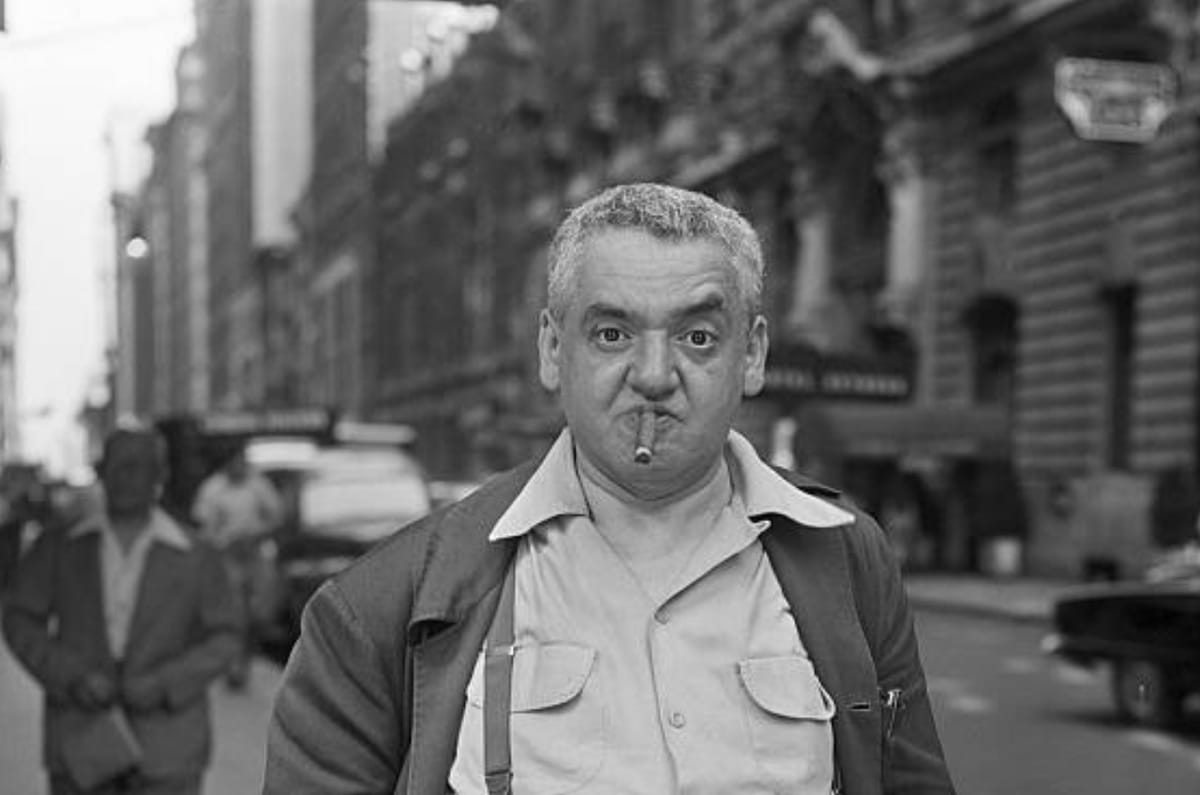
column 653, row 324
column 130, row 475
column 236, row 468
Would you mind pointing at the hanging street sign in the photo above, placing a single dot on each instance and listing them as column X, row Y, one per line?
column 1120, row 101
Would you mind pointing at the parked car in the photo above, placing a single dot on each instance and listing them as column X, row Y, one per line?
column 341, row 501
column 1147, row 632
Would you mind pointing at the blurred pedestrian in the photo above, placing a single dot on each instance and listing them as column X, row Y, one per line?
column 651, row 607
column 22, row 514
column 237, row 509
column 15, row 514
column 124, row 619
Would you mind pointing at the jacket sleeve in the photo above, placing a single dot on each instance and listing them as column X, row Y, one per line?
column 186, row 677
column 29, row 609
column 913, row 760
column 335, row 728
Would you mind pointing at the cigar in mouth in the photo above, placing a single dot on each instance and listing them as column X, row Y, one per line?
column 643, row 452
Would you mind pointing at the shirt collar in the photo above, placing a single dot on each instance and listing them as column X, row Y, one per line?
column 554, row 491
column 162, row 528
column 764, row 491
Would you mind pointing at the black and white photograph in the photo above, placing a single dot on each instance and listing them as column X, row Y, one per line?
column 610, row 397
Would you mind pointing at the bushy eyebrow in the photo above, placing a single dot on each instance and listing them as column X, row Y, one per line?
column 605, row 311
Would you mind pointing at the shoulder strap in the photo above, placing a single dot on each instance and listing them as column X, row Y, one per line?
column 498, row 654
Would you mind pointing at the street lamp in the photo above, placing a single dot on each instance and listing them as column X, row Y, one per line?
column 137, row 247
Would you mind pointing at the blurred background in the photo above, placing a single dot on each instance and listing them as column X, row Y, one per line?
column 245, row 218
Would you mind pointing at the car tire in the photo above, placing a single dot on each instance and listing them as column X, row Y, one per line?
column 1146, row 694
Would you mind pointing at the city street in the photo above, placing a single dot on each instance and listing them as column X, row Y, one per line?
column 1012, row 720
column 1016, row 721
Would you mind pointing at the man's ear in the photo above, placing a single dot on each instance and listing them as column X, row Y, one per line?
column 757, row 343
column 549, row 349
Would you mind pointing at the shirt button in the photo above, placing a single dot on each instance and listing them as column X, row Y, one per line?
column 661, row 617
column 678, row 720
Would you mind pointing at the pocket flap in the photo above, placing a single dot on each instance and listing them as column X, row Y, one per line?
column 786, row 686
column 544, row 675
column 549, row 674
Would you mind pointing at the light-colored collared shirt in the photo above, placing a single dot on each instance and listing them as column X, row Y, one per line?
column 229, row 510
column 707, row 689
column 121, row 570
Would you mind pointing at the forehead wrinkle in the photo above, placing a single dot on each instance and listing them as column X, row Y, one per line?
column 710, row 304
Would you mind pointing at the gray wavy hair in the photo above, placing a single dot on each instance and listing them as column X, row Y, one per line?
column 665, row 212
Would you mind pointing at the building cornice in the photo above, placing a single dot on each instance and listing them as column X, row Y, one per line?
column 925, row 59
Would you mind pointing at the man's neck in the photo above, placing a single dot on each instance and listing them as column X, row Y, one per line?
column 127, row 527
column 641, row 527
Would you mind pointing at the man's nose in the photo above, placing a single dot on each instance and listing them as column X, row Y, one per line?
column 653, row 372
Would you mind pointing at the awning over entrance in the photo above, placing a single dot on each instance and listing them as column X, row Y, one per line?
column 880, row 430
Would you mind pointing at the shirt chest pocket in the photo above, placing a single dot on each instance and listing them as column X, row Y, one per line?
column 557, row 721
column 789, row 718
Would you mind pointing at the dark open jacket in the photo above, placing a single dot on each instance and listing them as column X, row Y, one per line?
column 374, row 692
column 183, row 634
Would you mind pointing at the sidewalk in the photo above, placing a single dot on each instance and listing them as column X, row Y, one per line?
column 239, row 728
column 1019, row 598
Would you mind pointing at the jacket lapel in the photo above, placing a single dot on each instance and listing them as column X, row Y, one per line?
column 86, row 564
column 158, row 578
column 814, row 575
column 441, row 671
column 452, row 610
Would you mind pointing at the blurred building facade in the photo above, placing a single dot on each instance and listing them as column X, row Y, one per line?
column 9, row 289
column 748, row 102
column 334, row 213
column 363, row 76
column 1066, row 285
column 133, row 358
column 963, row 282
column 982, row 224
column 255, row 55
column 175, row 210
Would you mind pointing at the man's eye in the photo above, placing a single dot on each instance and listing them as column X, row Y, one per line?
column 609, row 335
column 700, row 338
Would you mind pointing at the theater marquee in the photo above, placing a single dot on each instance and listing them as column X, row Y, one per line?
column 804, row 372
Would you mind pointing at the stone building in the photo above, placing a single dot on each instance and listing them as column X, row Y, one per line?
column 982, row 311
column 175, row 214
column 223, row 41
column 563, row 98
column 1066, row 279
column 258, row 152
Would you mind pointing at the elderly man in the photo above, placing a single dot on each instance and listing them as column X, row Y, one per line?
column 648, row 609
column 124, row 619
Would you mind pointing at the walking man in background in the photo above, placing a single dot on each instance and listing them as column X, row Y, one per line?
column 649, row 608
column 124, row 619
column 237, row 510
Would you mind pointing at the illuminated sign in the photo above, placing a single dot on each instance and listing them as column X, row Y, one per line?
column 276, row 421
column 802, row 371
column 1121, row 101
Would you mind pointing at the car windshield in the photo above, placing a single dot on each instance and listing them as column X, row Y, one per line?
column 362, row 496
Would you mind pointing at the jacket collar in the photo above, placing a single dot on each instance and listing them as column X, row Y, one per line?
column 461, row 565
column 161, row 528
column 554, row 490
column 472, row 541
